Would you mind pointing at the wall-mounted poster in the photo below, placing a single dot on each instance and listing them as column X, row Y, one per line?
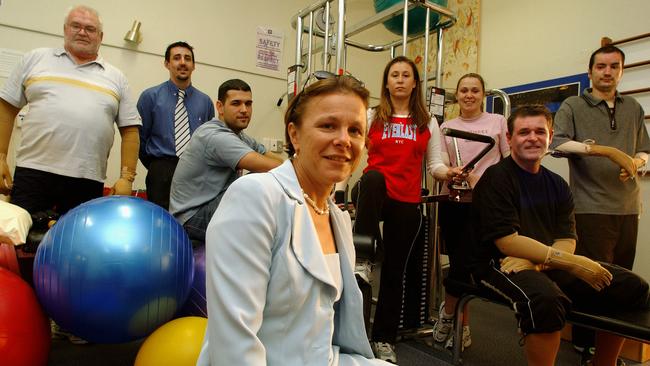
column 551, row 93
column 269, row 48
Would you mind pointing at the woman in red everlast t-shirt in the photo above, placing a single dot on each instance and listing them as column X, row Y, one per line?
column 400, row 134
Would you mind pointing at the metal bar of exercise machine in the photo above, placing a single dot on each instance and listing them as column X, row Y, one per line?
column 343, row 35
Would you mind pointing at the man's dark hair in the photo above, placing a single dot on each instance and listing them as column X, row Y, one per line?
column 178, row 44
column 232, row 84
column 606, row 49
column 530, row 110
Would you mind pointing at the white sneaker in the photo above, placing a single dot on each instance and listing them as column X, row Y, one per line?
column 467, row 339
column 363, row 269
column 443, row 326
column 384, row 351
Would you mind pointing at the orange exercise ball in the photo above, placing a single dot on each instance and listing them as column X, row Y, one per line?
column 176, row 343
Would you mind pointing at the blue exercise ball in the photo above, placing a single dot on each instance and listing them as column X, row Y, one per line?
column 196, row 304
column 113, row 269
column 417, row 17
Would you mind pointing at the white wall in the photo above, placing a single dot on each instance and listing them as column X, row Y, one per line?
column 223, row 34
column 524, row 41
column 521, row 41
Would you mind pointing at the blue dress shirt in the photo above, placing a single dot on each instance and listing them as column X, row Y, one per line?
column 156, row 106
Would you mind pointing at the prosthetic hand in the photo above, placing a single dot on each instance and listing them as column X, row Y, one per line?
column 123, row 186
column 5, row 176
column 513, row 265
column 582, row 267
column 623, row 160
column 624, row 175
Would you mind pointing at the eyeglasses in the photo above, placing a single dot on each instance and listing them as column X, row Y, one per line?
column 318, row 75
column 76, row 28
column 324, row 74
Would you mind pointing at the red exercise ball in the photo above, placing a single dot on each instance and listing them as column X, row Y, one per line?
column 24, row 328
column 8, row 258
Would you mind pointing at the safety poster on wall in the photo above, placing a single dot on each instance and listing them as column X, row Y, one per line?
column 269, row 48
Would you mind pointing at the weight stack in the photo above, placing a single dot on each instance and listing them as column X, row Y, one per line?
column 415, row 299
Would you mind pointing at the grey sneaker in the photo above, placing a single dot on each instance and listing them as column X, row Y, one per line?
column 55, row 331
column 76, row 340
column 443, row 326
column 467, row 339
column 384, row 351
column 363, row 269
column 58, row 333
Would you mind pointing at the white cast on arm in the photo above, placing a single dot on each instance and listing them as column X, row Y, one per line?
column 435, row 165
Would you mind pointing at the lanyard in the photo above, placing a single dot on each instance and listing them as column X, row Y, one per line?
column 612, row 113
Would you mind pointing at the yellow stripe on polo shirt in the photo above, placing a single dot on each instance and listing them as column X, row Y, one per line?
column 74, row 82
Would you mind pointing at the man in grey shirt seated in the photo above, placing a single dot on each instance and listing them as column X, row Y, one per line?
column 217, row 153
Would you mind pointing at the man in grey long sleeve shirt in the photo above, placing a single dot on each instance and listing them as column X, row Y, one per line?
column 606, row 135
column 603, row 123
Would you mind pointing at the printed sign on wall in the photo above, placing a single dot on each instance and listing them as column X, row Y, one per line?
column 269, row 48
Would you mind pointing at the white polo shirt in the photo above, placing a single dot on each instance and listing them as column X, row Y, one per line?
column 69, row 127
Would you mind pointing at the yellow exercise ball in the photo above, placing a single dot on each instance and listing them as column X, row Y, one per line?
column 176, row 343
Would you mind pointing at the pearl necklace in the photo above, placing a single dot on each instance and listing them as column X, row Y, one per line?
column 319, row 211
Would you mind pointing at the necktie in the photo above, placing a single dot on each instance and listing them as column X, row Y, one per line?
column 181, row 124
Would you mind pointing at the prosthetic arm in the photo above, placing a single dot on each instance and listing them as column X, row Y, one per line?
column 628, row 165
column 514, row 264
column 8, row 115
column 129, row 159
column 554, row 257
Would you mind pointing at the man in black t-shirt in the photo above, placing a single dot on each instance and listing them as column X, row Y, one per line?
column 527, row 237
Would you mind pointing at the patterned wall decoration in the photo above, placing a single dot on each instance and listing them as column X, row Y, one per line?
column 460, row 48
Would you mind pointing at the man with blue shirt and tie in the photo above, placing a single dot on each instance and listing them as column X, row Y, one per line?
column 170, row 113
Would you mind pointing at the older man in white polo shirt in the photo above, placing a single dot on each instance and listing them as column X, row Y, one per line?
column 74, row 99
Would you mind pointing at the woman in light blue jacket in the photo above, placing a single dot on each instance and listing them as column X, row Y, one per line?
column 279, row 253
